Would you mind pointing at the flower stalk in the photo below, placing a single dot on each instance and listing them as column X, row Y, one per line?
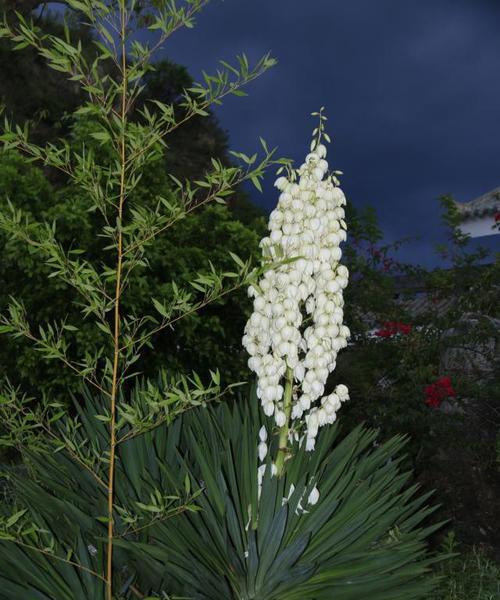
column 285, row 430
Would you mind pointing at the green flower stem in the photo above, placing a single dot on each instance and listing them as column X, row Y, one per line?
column 287, row 409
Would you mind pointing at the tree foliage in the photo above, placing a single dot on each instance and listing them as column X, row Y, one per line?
column 50, row 195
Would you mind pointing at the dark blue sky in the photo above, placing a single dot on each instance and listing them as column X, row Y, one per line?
column 411, row 88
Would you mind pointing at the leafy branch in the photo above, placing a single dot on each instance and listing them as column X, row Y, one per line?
column 50, row 341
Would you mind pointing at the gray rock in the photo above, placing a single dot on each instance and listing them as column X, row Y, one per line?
column 472, row 346
column 451, row 408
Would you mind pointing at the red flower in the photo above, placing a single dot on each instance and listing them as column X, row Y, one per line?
column 391, row 328
column 384, row 333
column 497, row 217
column 433, row 401
column 446, row 386
column 436, row 392
column 405, row 328
column 387, row 262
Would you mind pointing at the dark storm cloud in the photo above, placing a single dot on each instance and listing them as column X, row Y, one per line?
column 412, row 90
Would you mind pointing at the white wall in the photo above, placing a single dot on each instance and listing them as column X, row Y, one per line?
column 479, row 226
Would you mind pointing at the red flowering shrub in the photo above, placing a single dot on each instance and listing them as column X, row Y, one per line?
column 381, row 259
column 438, row 391
column 496, row 224
column 391, row 328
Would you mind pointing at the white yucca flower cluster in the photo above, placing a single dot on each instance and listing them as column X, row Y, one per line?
column 296, row 329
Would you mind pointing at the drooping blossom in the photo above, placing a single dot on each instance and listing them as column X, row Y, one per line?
column 313, row 496
column 296, row 329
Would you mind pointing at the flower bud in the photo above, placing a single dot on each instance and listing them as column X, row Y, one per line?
column 280, row 418
column 281, row 183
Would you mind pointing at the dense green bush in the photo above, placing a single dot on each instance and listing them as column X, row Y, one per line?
column 210, row 336
column 391, row 370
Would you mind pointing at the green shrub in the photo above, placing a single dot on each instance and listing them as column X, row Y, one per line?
column 468, row 576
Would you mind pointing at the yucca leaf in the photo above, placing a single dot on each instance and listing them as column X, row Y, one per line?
column 363, row 539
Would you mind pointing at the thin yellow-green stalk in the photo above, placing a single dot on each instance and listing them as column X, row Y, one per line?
column 116, row 331
column 284, row 431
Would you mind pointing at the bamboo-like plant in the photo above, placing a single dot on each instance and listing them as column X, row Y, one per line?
column 112, row 82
